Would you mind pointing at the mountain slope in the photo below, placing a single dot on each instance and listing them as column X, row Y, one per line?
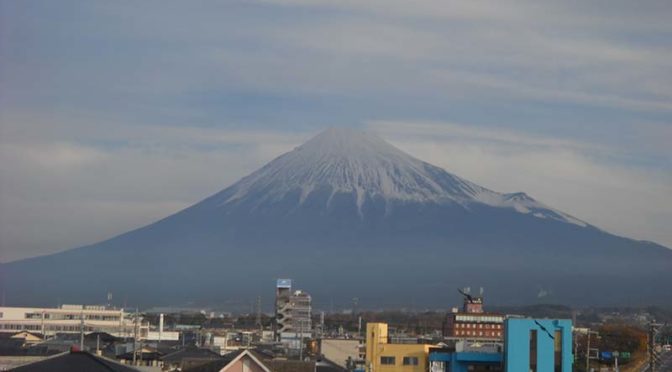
column 342, row 161
column 348, row 215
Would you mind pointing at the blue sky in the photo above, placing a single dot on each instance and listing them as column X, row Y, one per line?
column 115, row 114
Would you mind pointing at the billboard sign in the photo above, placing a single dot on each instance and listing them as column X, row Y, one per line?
column 284, row 283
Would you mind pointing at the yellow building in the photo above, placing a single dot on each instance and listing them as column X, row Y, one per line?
column 382, row 356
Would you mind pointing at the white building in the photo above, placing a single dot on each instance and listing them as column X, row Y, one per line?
column 71, row 319
column 292, row 314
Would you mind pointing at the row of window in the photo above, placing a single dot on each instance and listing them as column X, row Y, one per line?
column 72, row 316
column 407, row 361
column 469, row 325
column 20, row 327
column 478, row 318
column 38, row 327
column 474, row 333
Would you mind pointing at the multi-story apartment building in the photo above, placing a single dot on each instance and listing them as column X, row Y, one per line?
column 292, row 314
column 71, row 319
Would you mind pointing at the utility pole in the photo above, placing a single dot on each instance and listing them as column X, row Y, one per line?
column 588, row 348
column 139, row 336
column 653, row 332
column 301, row 339
column 321, row 324
column 576, row 345
column 81, row 331
column 259, row 324
column 588, row 352
column 135, row 335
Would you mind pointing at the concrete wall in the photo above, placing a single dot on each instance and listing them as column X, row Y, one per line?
column 338, row 350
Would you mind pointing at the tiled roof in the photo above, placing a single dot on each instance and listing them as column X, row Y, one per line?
column 191, row 352
column 274, row 365
column 75, row 361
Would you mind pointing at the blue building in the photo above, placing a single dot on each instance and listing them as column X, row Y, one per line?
column 536, row 345
column 539, row 345
column 469, row 358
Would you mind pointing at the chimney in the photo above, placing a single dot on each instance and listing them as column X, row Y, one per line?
column 160, row 327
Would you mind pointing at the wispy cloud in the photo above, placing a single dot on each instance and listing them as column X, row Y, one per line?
column 161, row 103
column 59, row 194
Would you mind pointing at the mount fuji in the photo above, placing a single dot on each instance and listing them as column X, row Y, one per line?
column 348, row 215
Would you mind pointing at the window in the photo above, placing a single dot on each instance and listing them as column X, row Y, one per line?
column 410, row 361
column 533, row 350
column 387, row 360
column 557, row 348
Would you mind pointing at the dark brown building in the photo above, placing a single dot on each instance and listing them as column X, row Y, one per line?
column 472, row 322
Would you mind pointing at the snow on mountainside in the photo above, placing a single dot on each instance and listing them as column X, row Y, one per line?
column 420, row 231
column 359, row 163
column 523, row 203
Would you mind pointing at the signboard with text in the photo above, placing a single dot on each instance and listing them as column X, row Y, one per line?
column 284, row 283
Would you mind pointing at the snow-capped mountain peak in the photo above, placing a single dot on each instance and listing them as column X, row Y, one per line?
column 349, row 161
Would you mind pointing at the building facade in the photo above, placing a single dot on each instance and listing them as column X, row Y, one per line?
column 542, row 345
column 293, row 313
column 381, row 355
column 473, row 323
column 71, row 319
column 468, row 357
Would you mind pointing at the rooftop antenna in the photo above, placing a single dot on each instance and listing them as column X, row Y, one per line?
column 465, row 292
column 481, row 292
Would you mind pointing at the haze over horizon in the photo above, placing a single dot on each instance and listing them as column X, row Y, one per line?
column 113, row 116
